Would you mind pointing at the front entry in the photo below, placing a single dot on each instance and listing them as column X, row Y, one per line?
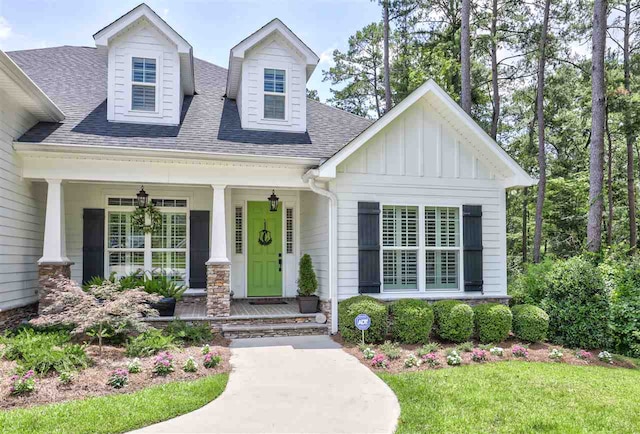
column 264, row 253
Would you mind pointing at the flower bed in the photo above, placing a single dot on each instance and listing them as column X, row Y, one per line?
column 94, row 380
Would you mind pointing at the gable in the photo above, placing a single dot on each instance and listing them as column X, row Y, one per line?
column 420, row 143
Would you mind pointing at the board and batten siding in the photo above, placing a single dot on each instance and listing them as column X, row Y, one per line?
column 21, row 213
column 143, row 40
column 273, row 52
column 419, row 159
column 314, row 236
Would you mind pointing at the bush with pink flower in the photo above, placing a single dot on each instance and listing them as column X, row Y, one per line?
column 118, row 378
column 379, row 361
column 21, row 385
column 520, row 351
column 431, row 360
column 583, row 355
column 479, row 355
column 163, row 364
column 211, row 360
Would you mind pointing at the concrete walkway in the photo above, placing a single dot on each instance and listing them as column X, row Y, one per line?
column 301, row 384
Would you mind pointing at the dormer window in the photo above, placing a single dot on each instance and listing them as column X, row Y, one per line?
column 143, row 84
column 274, row 93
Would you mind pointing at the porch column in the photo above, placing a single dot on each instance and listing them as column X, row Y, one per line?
column 54, row 263
column 218, row 265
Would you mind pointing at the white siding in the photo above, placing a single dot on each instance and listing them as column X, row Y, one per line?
column 273, row 52
column 314, row 236
column 21, row 213
column 143, row 40
column 420, row 160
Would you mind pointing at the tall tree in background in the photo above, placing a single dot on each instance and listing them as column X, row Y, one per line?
column 542, row 158
column 596, row 159
column 387, row 69
column 495, row 89
column 465, row 56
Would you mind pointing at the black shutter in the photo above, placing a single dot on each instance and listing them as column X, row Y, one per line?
column 472, row 234
column 368, row 247
column 92, row 243
column 198, row 248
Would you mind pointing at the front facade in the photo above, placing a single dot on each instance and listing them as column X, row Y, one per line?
column 412, row 205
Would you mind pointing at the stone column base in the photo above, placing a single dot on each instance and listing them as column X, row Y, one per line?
column 325, row 308
column 218, row 290
column 47, row 276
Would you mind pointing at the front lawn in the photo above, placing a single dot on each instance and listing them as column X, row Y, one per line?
column 518, row 397
column 115, row 413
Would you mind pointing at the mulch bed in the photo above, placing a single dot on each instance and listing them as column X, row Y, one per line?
column 537, row 353
column 93, row 380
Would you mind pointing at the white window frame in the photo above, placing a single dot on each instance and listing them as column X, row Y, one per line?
column 130, row 83
column 287, row 74
column 384, row 248
column 422, row 248
column 148, row 250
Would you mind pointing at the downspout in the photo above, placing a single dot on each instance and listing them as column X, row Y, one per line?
column 310, row 178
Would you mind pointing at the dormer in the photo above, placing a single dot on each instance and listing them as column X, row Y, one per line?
column 150, row 68
column 268, row 74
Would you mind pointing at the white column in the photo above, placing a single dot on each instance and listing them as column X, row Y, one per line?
column 218, row 245
column 54, row 250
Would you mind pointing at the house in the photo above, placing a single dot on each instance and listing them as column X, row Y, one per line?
column 412, row 205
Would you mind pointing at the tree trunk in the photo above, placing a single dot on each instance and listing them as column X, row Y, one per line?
column 525, row 217
column 596, row 160
column 609, row 179
column 387, row 79
column 629, row 137
column 465, row 57
column 494, row 71
column 375, row 90
column 542, row 160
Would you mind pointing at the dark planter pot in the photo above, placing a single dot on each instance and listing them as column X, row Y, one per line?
column 308, row 304
column 166, row 306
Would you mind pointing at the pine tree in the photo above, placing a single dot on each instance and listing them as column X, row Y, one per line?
column 307, row 281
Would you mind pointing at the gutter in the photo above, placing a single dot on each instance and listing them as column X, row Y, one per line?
column 310, row 179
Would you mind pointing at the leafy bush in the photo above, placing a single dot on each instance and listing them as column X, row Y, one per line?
column 66, row 378
column 148, row 343
column 530, row 323
column 307, row 281
column 520, row 351
column 453, row 320
column 454, row 359
column 211, row 360
column 350, row 308
column 492, row 322
column 412, row 321
column 391, row 349
column 479, row 355
column 44, row 352
column 22, row 385
column 163, row 364
column 190, row 365
column 530, row 286
column 134, row 366
column 624, row 280
column 186, row 333
column 118, row 378
column 578, row 304
column 429, row 348
column 465, row 347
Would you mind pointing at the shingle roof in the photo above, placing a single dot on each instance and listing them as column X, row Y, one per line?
column 75, row 78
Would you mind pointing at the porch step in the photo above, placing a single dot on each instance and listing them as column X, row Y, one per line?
column 234, row 331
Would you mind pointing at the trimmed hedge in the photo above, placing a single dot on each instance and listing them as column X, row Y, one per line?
column 530, row 323
column 412, row 321
column 492, row 322
column 454, row 320
column 350, row 308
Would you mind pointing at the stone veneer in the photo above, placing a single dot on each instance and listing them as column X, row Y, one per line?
column 325, row 308
column 48, row 274
column 218, row 290
column 13, row 317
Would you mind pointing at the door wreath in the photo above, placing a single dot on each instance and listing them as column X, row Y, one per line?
column 139, row 219
column 264, row 236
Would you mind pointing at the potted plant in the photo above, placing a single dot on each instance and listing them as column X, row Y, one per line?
column 162, row 284
column 307, row 286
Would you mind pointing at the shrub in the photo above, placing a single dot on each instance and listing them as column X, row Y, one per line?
column 368, row 353
column 307, row 280
column 411, row 321
column 206, row 349
column 431, row 359
column 454, row 320
column 411, row 361
column 583, row 355
column 186, row 333
column 577, row 304
column 391, row 349
column 555, row 354
column 163, row 364
column 134, row 366
column 465, row 347
column 530, row 286
column 190, row 365
column 624, row 280
column 431, row 347
column 21, row 385
column 379, row 361
column 149, row 343
column 530, row 323
column 606, row 357
column 496, row 351
column 66, row 378
column 520, row 351
column 118, row 378
column 492, row 322
column 349, row 309
column 479, row 355
column 211, row 360
column 454, row 359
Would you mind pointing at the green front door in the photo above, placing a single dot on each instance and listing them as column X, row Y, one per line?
column 264, row 253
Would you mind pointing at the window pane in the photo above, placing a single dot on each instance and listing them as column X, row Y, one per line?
column 143, row 98
column 289, row 230
column 273, row 107
column 441, row 269
column 400, row 226
column 121, row 234
column 172, row 234
column 238, row 230
column 400, row 269
column 123, row 263
column 143, row 70
column 441, row 227
column 173, row 264
column 274, row 80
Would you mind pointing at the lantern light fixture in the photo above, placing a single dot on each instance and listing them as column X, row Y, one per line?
column 143, row 197
column 273, row 201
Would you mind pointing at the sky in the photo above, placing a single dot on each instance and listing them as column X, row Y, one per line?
column 212, row 27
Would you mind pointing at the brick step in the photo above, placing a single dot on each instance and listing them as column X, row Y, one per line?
column 233, row 331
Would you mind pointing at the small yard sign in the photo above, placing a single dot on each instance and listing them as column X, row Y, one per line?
column 363, row 322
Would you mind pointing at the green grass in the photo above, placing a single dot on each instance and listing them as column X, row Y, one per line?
column 115, row 413
column 518, row 397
